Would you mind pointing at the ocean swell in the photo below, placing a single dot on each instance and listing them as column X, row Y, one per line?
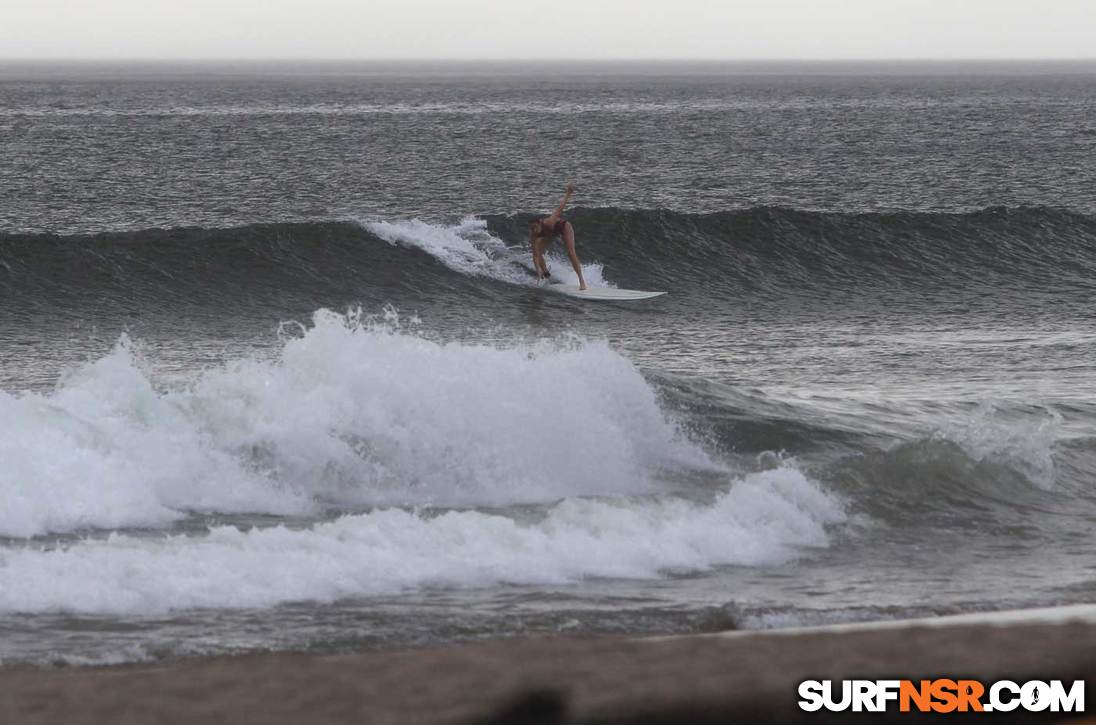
column 755, row 254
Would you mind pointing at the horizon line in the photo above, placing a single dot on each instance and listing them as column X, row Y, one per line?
column 313, row 59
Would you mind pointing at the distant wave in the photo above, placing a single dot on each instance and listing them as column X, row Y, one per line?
column 755, row 254
column 776, row 251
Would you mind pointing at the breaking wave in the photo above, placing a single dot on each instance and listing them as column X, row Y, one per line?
column 755, row 254
column 353, row 412
column 764, row 518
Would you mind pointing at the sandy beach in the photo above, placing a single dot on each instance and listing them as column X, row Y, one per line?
column 746, row 677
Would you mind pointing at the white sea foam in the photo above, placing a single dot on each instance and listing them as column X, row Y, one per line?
column 1024, row 444
column 468, row 247
column 763, row 518
column 349, row 414
column 107, row 450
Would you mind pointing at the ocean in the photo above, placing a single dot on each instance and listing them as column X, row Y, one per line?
column 274, row 374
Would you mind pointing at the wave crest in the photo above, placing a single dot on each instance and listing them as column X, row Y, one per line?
column 764, row 518
column 353, row 412
column 755, row 254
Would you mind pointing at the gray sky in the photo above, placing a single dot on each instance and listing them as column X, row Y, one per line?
column 467, row 29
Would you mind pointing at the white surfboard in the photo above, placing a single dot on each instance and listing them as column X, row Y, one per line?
column 602, row 293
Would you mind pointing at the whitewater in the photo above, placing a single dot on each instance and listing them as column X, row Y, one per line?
column 358, row 414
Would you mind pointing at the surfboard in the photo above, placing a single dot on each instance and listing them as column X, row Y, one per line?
column 608, row 294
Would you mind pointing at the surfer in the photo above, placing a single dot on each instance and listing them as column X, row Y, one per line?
column 542, row 231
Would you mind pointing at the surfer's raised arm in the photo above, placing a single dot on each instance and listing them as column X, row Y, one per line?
column 563, row 202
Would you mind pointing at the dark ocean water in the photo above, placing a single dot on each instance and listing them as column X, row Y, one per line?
column 274, row 373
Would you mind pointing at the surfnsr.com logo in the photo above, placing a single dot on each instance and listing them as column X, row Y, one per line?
column 941, row 695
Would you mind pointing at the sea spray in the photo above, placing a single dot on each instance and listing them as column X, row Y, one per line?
column 352, row 413
column 469, row 247
column 1025, row 444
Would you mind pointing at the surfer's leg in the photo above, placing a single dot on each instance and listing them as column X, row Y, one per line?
column 538, row 259
column 569, row 239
